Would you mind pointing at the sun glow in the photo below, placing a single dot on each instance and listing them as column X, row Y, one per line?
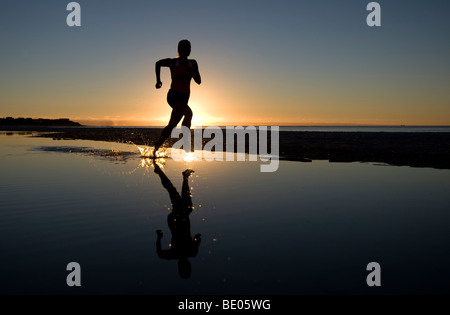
column 197, row 121
column 200, row 115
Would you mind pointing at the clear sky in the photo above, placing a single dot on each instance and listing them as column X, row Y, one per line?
column 262, row 62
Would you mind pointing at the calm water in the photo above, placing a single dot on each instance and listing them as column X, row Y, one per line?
column 309, row 228
column 368, row 128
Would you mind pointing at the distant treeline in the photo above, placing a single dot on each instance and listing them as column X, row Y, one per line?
column 10, row 121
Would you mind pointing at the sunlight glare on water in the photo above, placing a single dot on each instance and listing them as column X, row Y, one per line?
column 189, row 157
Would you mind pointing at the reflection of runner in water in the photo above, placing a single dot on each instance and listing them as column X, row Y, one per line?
column 182, row 70
column 182, row 245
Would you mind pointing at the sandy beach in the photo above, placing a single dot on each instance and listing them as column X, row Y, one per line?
column 416, row 149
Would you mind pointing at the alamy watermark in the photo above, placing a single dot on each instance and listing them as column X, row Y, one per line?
column 236, row 144
column 373, row 18
column 73, row 279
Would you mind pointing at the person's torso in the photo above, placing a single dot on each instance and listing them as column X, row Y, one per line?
column 181, row 74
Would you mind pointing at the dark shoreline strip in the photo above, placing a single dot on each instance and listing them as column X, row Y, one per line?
column 416, row 149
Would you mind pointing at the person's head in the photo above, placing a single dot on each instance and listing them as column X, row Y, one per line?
column 184, row 48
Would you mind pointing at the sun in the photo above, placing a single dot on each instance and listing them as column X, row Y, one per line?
column 200, row 117
column 197, row 121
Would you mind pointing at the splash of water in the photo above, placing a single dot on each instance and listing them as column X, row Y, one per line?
column 149, row 152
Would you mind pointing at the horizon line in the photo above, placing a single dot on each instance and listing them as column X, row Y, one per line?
column 271, row 124
column 157, row 123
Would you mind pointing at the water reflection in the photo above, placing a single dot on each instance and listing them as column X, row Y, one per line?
column 182, row 246
column 331, row 220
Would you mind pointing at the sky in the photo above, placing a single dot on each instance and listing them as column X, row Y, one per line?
column 302, row 62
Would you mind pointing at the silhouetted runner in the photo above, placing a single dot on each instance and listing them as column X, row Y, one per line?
column 182, row 245
column 182, row 70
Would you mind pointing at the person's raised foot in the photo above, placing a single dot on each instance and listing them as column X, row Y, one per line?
column 187, row 173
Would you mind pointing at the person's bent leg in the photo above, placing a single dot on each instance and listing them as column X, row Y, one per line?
column 187, row 111
column 187, row 121
column 175, row 118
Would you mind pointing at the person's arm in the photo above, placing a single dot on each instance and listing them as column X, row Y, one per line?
column 161, row 63
column 196, row 74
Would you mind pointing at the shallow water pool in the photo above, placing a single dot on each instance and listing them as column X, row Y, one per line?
column 308, row 228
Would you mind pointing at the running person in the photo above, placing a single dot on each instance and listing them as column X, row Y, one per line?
column 182, row 70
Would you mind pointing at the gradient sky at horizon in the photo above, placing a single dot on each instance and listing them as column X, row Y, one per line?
column 278, row 62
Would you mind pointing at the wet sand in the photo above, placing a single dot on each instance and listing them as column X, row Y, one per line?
column 416, row 149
